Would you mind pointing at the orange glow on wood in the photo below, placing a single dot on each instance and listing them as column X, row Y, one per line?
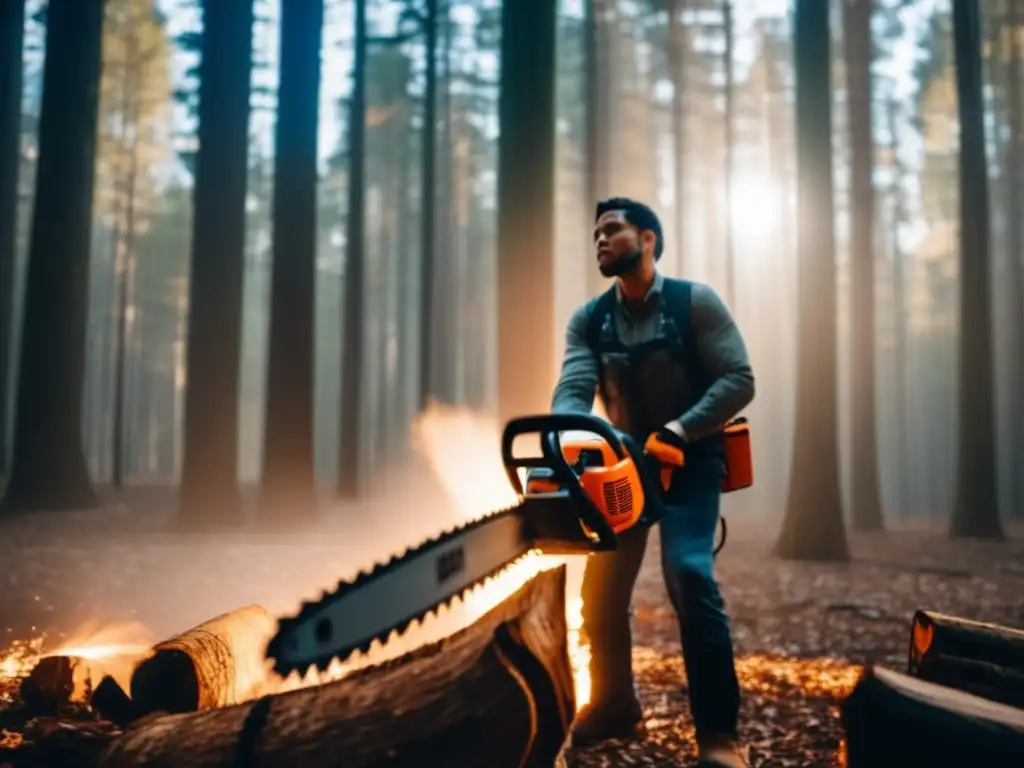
column 923, row 636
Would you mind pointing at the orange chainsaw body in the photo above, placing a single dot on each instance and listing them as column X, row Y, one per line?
column 612, row 484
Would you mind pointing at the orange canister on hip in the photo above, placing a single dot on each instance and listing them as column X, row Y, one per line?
column 739, row 460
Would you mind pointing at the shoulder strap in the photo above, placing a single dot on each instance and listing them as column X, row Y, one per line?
column 599, row 309
column 678, row 295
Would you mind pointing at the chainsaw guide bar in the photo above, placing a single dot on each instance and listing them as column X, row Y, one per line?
column 385, row 600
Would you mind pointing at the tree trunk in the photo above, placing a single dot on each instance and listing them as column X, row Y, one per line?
column 209, row 482
column 406, row 286
column 12, row 37
column 598, row 78
column 104, row 294
column 1015, row 205
column 729, row 256
column 813, row 528
column 496, row 694
column 446, row 316
column 526, row 195
column 350, row 434
column 776, row 419
column 289, row 470
column 428, row 211
column 147, row 420
column 49, row 470
column 479, row 251
column 677, row 61
column 117, row 429
column 124, row 267
column 899, row 311
column 383, row 305
column 976, row 510
column 866, row 512
column 984, row 659
column 895, row 721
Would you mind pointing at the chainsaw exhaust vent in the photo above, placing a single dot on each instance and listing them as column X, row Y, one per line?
column 618, row 496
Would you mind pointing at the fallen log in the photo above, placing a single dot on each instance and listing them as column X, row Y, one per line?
column 984, row 659
column 49, row 743
column 498, row 693
column 216, row 664
column 893, row 720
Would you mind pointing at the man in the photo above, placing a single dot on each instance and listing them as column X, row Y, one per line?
column 665, row 356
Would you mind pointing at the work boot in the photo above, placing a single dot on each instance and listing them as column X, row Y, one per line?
column 609, row 718
column 716, row 750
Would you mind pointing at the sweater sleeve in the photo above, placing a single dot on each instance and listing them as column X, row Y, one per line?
column 577, row 382
column 723, row 356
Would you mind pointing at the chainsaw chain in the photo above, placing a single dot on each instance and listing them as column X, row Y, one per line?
column 309, row 607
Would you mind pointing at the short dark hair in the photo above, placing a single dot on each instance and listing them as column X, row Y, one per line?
column 639, row 215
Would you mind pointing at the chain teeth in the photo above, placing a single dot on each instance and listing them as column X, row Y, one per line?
column 344, row 587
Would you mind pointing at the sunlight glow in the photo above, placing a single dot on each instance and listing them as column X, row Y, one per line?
column 756, row 207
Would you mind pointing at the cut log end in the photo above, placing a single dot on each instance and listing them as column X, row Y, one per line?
column 893, row 720
column 215, row 664
column 978, row 657
column 167, row 681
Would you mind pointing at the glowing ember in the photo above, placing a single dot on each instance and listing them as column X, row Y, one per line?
column 110, row 649
column 772, row 675
column 92, row 641
column 21, row 657
column 579, row 651
column 10, row 739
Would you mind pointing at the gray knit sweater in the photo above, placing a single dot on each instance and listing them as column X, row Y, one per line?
column 720, row 348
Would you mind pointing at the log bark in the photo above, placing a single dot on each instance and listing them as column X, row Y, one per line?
column 893, row 720
column 984, row 659
column 216, row 664
column 496, row 694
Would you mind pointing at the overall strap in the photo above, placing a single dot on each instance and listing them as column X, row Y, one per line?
column 600, row 309
column 677, row 301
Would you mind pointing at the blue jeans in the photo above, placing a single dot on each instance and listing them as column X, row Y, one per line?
column 687, row 540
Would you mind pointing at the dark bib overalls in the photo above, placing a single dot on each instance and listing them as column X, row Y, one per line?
column 642, row 387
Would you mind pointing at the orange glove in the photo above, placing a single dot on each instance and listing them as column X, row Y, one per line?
column 667, row 448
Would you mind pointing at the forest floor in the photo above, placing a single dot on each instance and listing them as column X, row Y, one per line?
column 801, row 632
column 800, row 629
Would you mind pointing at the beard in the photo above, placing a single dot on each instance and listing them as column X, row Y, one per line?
column 622, row 265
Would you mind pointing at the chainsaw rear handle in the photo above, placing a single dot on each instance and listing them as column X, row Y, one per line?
column 549, row 426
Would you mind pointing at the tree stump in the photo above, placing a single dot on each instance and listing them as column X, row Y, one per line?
column 984, row 659
column 896, row 721
column 498, row 693
column 49, row 685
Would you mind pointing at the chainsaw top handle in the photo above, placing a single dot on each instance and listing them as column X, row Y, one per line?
column 549, row 426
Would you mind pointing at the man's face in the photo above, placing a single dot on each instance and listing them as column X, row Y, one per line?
column 617, row 243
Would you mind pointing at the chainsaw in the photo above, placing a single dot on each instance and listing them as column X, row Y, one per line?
column 580, row 495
